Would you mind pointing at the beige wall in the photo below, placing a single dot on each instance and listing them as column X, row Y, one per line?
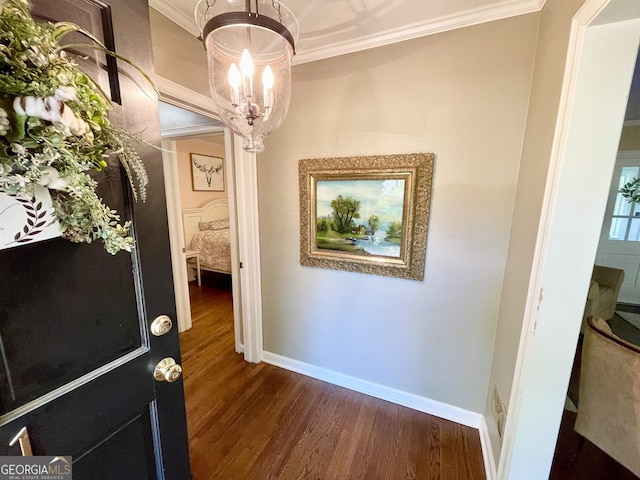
column 178, row 55
column 213, row 146
column 555, row 23
column 462, row 95
column 630, row 139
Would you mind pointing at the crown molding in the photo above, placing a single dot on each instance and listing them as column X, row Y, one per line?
column 498, row 11
column 176, row 15
column 191, row 131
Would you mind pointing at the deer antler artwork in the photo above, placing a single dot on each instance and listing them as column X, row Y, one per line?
column 208, row 171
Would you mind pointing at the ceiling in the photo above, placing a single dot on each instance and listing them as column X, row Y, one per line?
column 174, row 121
column 330, row 28
column 334, row 27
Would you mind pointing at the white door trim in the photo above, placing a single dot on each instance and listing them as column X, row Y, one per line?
column 236, row 279
column 176, row 236
column 582, row 159
column 176, row 94
column 243, row 213
column 249, row 248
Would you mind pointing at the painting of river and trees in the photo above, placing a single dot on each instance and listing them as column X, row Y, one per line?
column 366, row 214
column 361, row 217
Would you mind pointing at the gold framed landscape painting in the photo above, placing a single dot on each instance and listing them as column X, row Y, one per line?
column 366, row 214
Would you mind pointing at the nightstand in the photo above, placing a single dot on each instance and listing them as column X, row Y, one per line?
column 188, row 254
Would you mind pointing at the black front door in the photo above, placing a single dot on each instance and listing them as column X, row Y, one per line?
column 77, row 355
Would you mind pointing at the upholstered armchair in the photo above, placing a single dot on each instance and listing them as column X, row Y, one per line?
column 602, row 298
column 609, row 405
column 593, row 297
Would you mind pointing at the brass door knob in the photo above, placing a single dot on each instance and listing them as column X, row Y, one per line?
column 161, row 325
column 167, row 370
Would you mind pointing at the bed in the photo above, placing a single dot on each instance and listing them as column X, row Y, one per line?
column 206, row 230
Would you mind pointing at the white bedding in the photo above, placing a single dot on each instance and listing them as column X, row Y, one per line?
column 215, row 249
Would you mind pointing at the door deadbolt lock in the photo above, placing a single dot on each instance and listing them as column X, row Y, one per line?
column 167, row 370
column 161, row 325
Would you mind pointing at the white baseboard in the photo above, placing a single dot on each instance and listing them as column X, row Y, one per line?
column 487, row 451
column 399, row 397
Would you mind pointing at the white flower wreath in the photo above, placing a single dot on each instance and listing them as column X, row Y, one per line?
column 54, row 129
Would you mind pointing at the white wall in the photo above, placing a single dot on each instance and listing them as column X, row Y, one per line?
column 462, row 95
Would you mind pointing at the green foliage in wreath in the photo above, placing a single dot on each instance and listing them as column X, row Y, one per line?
column 54, row 129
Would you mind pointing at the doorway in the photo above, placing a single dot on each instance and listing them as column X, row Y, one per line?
column 186, row 132
column 206, row 299
column 619, row 245
column 244, row 224
column 602, row 51
column 614, row 295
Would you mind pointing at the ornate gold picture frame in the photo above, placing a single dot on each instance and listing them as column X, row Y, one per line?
column 366, row 214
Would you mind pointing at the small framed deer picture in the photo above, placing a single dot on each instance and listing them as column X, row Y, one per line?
column 207, row 173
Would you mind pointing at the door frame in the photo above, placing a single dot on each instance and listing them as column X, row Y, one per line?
column 243, row 219
column 603, row 48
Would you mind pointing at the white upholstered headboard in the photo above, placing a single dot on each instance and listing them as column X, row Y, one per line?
column 214, row 210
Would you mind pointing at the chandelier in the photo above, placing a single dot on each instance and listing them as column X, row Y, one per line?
column 250, row 44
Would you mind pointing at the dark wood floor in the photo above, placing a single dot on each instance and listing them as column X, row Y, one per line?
column 261, row 422
column 589, row 462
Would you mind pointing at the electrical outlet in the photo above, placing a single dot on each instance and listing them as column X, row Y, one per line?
column 499, row 410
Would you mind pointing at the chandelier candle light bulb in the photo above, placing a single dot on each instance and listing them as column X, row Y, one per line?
column 246, row 67
column 234, row 82
column 244, row 38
